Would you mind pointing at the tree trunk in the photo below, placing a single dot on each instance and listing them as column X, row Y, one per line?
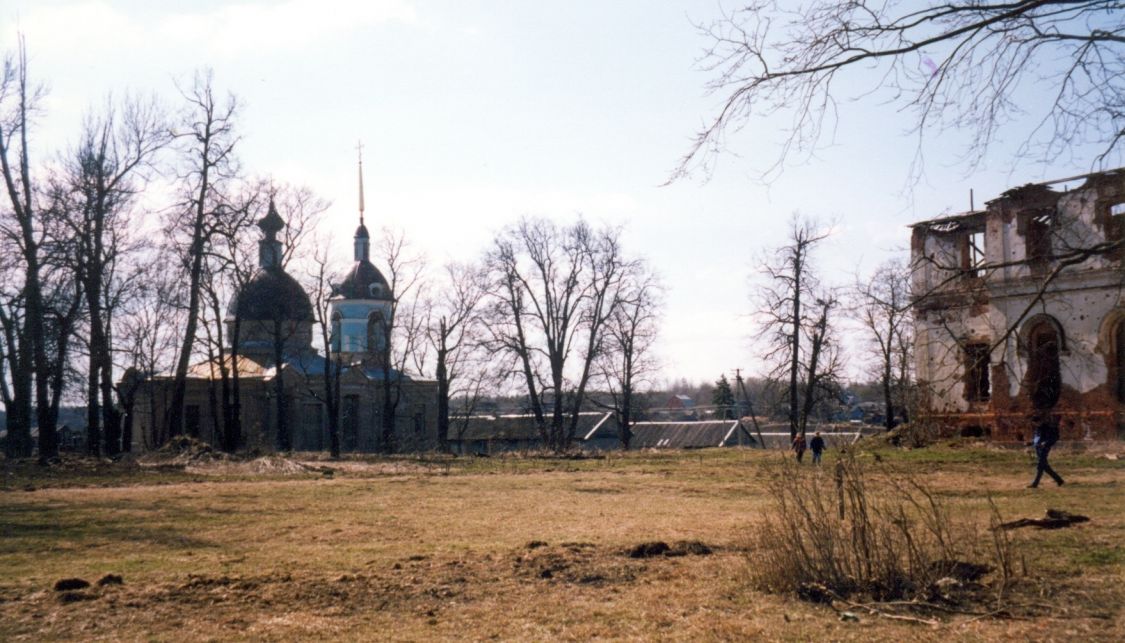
column 17, row 399
column 442, row 376
column 284, row 435
column 795, row 345
column 234, row 425
column 626, row 418
column 93, row 408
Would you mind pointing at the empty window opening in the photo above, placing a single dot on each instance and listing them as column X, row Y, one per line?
column 974, row 432
column 1038, row 237
column 972, row 253
column 976, row 372
column 1115, row 227
column 1044, row 379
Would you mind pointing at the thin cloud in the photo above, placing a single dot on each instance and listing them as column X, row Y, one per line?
column 226, row 31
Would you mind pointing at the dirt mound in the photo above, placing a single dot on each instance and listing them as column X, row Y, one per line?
column 66, row 584
column 661, row 548
column 578, row 563
column 268, row 465
column 182, row 451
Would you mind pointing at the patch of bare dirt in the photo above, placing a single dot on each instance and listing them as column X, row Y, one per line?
column 418, row 584
column 581, row 563
column 360, row 468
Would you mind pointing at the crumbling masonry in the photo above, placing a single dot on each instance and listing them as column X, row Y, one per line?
column 1020, row 314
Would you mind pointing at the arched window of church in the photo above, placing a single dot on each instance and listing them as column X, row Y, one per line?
column 1119, row 354
column 376, row 333
column 1044, row 378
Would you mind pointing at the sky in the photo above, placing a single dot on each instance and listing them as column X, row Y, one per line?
column 473, row 113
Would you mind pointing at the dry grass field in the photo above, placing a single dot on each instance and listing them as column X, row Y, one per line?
column 506, row 548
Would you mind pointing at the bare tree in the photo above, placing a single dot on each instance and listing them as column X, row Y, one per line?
column 328, row 393
column 229, row 263
column 882, row 305
column 148, row 335
column 95, row 193
column 465, row 399
column 402, row 331
column 207, row 136
column 16, row 380
column 552, row 292
column 453, row 331
column 823, row 365
column 62, row 309
column 785, row 298
column 18, row 102
column 958, row 66
column 631, row 333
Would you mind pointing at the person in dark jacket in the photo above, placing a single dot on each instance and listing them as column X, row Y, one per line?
column 799, row 446
column 817, row 447
column 1046, row 435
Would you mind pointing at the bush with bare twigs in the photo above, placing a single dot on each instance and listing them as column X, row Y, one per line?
column 855, row 533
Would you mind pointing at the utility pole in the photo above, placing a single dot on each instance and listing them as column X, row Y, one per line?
column 749, row 405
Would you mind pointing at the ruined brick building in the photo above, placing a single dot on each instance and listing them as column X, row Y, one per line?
column 1020, row 313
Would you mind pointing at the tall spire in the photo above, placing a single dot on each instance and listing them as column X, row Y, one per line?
column 359, row 148
column 362, row 239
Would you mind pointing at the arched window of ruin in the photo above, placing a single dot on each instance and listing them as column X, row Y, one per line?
column 1044, row 378
column 1119, row 358
column 976, row 357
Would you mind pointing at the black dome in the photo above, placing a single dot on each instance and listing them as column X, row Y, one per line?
column 271, row 294
column 364, row 281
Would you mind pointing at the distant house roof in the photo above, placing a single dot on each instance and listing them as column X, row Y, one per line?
column 690, row 435
column 681, row 402
column 524, row 428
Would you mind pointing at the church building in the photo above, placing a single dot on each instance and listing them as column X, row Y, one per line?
column 280, row 376
column 1019, row 313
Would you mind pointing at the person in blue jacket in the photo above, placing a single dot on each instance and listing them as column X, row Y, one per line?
column 817, row 447
column 1046, row 435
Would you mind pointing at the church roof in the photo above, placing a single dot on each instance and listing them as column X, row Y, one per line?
column 271, row 294
column 309, row 364
column 364, row 281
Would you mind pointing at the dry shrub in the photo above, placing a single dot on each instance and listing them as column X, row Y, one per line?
column 849, row 531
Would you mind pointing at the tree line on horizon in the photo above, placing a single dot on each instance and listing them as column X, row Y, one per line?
column 103, row 284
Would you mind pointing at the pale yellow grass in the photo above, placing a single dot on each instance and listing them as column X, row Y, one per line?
column 441, row 552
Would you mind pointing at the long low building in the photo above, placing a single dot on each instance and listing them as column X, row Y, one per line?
column 487, row 435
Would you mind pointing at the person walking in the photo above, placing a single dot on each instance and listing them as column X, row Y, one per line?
column 799, row 446
column 817, row 447
column 1046, row 435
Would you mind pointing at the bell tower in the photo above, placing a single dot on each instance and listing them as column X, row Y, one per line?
column 361, row 305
